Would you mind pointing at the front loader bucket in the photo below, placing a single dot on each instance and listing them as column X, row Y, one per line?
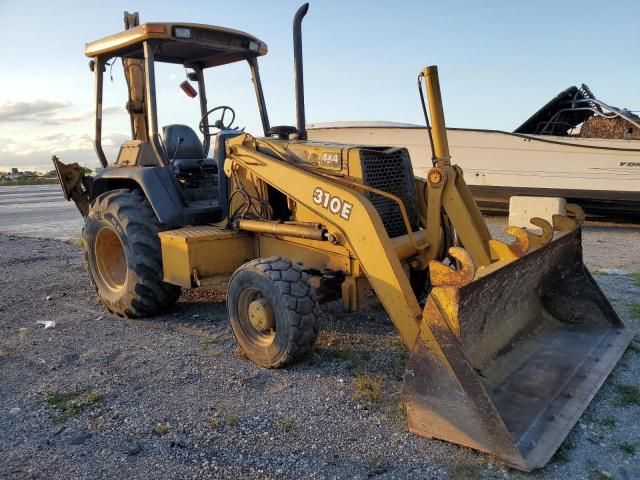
column 507, row 363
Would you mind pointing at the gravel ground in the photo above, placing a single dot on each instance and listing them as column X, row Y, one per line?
column 170, row 397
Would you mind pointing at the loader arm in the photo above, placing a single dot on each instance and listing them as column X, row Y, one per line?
column 514, row 340
column 362, row 230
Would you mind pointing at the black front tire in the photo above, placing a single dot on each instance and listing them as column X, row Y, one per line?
column 123, row 256
column 292, row 303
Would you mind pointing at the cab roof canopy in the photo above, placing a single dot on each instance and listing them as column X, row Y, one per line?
column 189, row 44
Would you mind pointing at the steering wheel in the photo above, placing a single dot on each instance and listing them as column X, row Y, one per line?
column 219, row 124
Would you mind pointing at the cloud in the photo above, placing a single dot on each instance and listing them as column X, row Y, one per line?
column 31, row 132
column 52, row 143
column 63, row 118
column 41, row 160
column 21, row 111
column 48, row 112
column 114, row 140
column 35, row 152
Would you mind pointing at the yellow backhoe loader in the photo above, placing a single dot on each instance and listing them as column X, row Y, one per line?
column 509, row 341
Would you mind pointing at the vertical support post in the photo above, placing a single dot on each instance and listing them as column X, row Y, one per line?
column 98, row 70
column 203, row 108
column 152, row 113
column 150, row 91
column 257, row 84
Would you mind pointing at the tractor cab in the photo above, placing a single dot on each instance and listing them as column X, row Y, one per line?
column 172, row 163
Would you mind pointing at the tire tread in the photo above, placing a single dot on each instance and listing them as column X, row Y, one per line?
column 150, row 295
column 293, row 285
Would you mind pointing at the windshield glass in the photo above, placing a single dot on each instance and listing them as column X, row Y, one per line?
column 174, row 106
column 231, row 85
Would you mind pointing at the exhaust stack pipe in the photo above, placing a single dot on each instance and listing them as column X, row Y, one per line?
column 298, row 71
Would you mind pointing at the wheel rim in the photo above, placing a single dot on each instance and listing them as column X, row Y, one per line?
column 110, row 259
column 256, row 317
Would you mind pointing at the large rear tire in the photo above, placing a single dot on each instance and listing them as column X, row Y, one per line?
column 123, row 256
column 273, row 311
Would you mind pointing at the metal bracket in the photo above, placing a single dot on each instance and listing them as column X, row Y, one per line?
column 543, row 239
column 446, row 284
column 564, row 223
column 71, row 180
column 131, row 20
column 511, row 251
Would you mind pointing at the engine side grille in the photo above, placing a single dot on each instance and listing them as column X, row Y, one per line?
column 391, row 173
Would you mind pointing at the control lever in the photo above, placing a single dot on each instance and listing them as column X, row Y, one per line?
column 175, row 153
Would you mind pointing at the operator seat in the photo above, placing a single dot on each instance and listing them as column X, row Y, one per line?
column 181, row 142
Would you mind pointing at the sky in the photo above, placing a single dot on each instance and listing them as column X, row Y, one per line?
column 499, row 61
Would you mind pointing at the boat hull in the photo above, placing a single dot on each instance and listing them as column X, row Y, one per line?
column 601, row 175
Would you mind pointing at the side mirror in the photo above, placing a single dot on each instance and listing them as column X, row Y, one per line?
column 188, row 89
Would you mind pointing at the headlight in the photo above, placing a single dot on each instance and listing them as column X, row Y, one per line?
column 182, row 32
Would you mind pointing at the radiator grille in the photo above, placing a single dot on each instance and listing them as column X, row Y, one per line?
column 391, row 173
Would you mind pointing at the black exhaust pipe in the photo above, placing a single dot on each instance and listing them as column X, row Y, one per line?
column 298, row 74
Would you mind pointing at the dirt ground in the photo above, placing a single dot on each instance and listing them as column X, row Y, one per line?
column 170, row 397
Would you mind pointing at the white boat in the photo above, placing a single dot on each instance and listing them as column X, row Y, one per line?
column 600, row 174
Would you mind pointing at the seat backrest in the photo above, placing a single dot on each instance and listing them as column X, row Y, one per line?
column 190, row 146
